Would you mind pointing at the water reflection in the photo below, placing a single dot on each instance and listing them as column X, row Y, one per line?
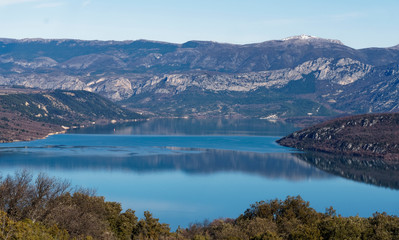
column 174, row 169
column 187, row 160
column 371, row 171
column 181, row 126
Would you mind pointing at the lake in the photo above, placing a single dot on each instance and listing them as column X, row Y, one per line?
column 185, row 171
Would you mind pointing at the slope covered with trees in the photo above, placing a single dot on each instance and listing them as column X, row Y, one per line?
column 28, row 114
column 369, row 135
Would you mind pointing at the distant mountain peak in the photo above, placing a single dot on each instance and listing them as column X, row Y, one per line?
column 300, row 37
column 305, row 37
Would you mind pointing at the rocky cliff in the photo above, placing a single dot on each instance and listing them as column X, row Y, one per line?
column 297, row 76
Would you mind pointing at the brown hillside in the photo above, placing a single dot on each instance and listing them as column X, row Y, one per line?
column 369, row 135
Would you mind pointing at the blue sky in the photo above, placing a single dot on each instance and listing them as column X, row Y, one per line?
column 357, row 23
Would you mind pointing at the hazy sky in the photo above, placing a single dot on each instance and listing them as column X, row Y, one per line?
column 357, row 23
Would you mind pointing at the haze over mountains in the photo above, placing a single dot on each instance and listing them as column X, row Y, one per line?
column 295, row 77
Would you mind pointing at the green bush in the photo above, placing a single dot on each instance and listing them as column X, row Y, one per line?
column 47, row 208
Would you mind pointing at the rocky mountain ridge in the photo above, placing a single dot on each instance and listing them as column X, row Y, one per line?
column 145, row 75
column 305, row 37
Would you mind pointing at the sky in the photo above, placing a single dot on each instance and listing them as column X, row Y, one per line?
column 357, row 23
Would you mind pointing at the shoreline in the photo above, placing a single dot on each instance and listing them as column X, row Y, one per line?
column 50, row 134
column 101, row 122
column 370, row 136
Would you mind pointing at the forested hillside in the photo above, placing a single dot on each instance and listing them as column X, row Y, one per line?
column 368, row 135
column 31, row 114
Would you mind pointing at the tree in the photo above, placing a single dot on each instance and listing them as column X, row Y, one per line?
column 29, row 230
column 149, row 228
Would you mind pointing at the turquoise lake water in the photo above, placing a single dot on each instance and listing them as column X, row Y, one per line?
column 186, row 171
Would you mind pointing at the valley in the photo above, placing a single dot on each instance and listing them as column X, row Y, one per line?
column 199, row 120
column 215, row 112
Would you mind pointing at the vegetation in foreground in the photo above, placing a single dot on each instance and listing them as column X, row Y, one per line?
column 48, row 208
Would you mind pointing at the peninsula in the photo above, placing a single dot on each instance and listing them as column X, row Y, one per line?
column 368, row 135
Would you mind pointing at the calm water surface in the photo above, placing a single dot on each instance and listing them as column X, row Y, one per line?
column 186, row 171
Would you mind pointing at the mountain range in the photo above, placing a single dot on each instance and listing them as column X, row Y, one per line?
column 296, row 77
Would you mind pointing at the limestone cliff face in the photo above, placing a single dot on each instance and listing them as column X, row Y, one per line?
column 122, row 86
column 343, row 72
column 326, row 71
column 117, row 89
